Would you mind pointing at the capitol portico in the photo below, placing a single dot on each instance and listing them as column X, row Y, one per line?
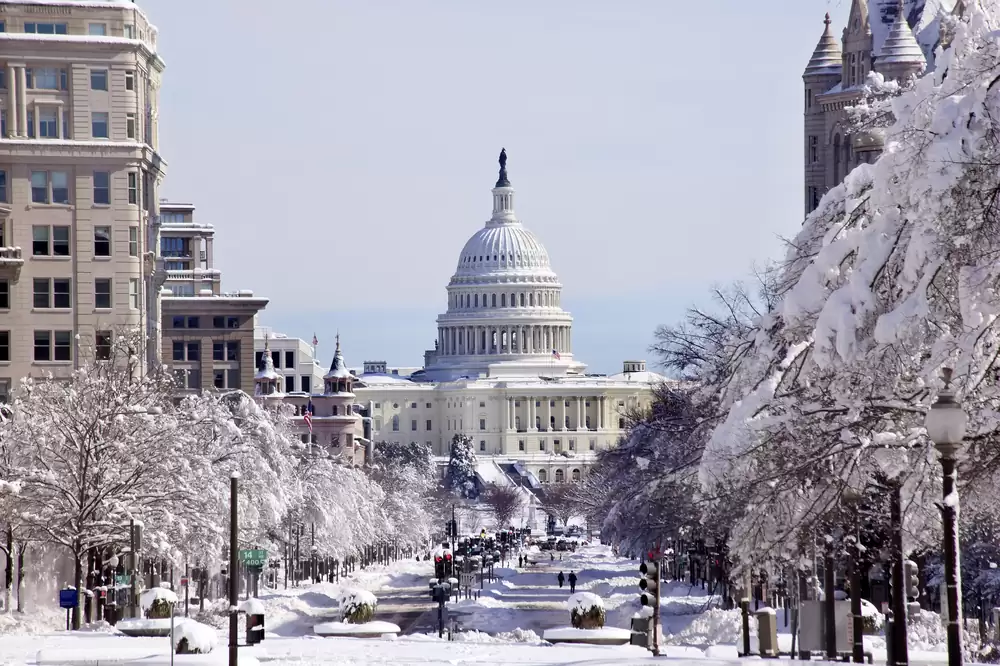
column 502, row 370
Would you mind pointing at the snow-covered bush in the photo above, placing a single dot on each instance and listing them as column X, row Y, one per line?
column 357, row 606
column 157, row 602
column 586, row 610
column 871, row 619
column 192, row 637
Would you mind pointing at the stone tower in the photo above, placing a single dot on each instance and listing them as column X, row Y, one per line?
column 822, row 73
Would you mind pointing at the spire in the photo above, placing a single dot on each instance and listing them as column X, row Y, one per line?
column 338, row 368
column 265, row 373
column 502, row 180
column 827, row 58
column 900, row 49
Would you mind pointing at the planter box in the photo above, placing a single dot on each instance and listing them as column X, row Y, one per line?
column 373, row 629
column 602, row 636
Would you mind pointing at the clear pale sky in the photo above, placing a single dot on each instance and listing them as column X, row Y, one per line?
column 345, row 152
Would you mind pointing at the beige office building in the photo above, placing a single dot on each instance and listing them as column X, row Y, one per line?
column 79, row 170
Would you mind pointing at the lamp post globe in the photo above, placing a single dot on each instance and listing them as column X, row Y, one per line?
column 113, row 561
column 946, row 424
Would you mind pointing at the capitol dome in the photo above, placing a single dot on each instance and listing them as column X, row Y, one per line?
column 505, row 313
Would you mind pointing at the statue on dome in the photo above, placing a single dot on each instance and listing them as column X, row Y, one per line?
column 502, row 180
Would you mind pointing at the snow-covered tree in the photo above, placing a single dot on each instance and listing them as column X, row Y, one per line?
column 891, row 278
column 99, row 448
column 461, row 474
column 405, row 474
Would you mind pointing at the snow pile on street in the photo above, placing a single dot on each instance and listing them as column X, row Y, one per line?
column 253, row 606
column 713, row 627
column 36, row 622
column 926, row 631
column 517, row 636
column 374, row 628
column 200, row 637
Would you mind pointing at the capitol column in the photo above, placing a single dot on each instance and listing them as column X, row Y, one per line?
column 600, row 414
column 530, row 425
column 579, row 413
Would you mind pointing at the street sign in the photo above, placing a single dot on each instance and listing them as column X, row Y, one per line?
column 121, row 579
column 253, row 558
column 184, row 582
column 67, row 598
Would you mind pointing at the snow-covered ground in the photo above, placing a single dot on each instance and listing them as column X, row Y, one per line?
column 503, row 626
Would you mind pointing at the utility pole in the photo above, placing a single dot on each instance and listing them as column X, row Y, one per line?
column 900, row 652
column 233, row 562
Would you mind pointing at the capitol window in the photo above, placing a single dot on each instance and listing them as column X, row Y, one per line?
column 482, row 445
column 503, row 300
column 494, row 300
column 520, row 445
column 482, row 424
column 395, row 423
column 541, row 445
column 477, row 300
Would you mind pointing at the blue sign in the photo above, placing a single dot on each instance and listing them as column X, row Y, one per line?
column 67, row 598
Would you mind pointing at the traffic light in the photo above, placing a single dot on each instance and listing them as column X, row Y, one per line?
column 649, row 584
column 449, row 565
column 911, row 578
column 438, row 567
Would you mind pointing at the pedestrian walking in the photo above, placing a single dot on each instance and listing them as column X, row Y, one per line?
column 561, row 578
column 552, row 557
column 572, row 581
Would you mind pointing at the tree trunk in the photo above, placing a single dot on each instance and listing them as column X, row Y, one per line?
column 8, row 580
column 21, row 549
column 78, row 583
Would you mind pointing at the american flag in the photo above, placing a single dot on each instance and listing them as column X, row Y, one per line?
column 315, row 340
column 307, row 417
column 556, row 355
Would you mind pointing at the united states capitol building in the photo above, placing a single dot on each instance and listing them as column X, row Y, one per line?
column 502, row 371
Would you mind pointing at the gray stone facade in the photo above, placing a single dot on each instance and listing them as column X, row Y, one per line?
column 895, row 38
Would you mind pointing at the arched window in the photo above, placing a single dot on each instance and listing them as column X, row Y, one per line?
column 531, row 299
column 847, row 155
column 517, row 423
column 503, row 300
column 335, row 410
column 576, row 475
column 513, row 300
column 522, row 299
column 477, row 300
column 494, row 300
column 542, row 476
column 552, row 422
column 560, row 476
column 836, row 158
column 395, row 422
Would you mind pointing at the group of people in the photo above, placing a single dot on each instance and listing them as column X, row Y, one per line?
column 522, row 561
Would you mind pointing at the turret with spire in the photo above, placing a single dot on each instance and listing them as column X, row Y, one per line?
column 900, row 56
column 267, row 382
column 339, row 379
column 826, row 60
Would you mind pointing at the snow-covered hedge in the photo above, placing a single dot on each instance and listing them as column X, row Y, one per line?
column 586, row 610
column 357, row 606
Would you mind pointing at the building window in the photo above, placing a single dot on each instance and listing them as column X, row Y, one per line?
column 46, row 78
column 572, row 445
column 51, row 293
column 289, row 359
column 482, row 424
column 130, row 80
column 45, row 28
column 3, row 183
column 813, row 149
column 102, row 346
column 232, row 322
column 482, row 404
column 413, row 424
column 133, row 188
column 305, row 381
column 575, row 475
column 99, row 124
column 102, row 187
column 377, row 423
column 188, row 379
column 97, row 29
column 130, row 31
column 428, row 405
column 102, row 241
column 130, row 125
column 395, row 423
column 4, row 294
column 429, row 425
column 39, row 187
column 133, row 241
column 482, row 445
column 98, row 79
column 560, row 476
column 621, row 423
column 413, row 405
column 133, row 293
column 5, row 347
column 593, row 445
column 542, row 476
column 289, row 383
column 557, row 445
column 48, row 123
column 53, row 346
column 541, row 445
column 520, row 445
column 102, row 294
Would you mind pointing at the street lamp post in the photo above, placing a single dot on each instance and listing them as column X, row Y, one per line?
column 946, row 422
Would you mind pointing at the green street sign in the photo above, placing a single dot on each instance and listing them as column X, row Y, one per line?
column 122, row 580
column 253, row 558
